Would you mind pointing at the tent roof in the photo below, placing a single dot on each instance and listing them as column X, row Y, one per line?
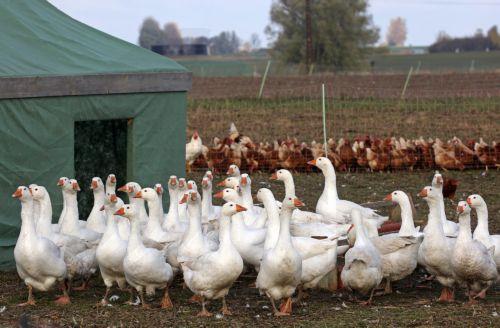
column 37, row 39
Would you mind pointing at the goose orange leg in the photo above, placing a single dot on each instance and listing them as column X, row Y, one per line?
column 166, row 302
column 31, row 299
column 204, row 312
column 64, row 299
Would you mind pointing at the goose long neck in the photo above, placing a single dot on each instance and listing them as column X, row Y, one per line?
column 273, row 222
column 482, row 217
column 464, row 232
column 330, row 183
column 434, row 219
column 173, row 209
column 206, row 201
column 407, row 223
column 247, row 197
column 45, row 220
column 442, row 213
column 135, row 240
column 289, row 186
column 224, row 233
column 28, row 229
column 99, row 197
column 194, row 213
column 71, row 216
column 284, row 237
column 361, row 236
column 155, row 211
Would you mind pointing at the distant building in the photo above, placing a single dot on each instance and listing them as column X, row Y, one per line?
column 191, row 49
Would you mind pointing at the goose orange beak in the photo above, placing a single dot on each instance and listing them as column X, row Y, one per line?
column 195, row 135
column 60, row 182
column 76, row 186
column 388, row 197
column 469, row 201
column 190, row 186
column 138, row 195
column 210, row 176
column 313, row 162
column 184, row 199
column 222, row 183
column 297, row 202
column 422, row 193
column 243, row 181
column 274, row 176
column 240, row 208
column 113, row 198
column 230, row 171
column 94, row 184
column 124, row 188
column 350, row 228
column 17, row 194
column 172, row 182
column 439, row 180
column 121, row 211
column 204, row 182
column 112, row 179
column 220, row 194
column 460, row 209
column 159, row 190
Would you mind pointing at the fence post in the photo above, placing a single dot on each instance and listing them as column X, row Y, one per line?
column 406, row 82
column 323, row 104
column 471, row 67
column 264, row 79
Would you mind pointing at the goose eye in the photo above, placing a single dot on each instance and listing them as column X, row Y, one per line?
column 36, row 189
column 231, row 205
column 474, row 197
column 395, row 193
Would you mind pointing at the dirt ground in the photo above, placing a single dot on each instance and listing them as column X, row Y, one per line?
column 406, row 307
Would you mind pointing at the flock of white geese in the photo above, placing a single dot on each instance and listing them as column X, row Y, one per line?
column 291, row 250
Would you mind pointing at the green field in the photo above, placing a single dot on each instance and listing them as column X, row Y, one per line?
column 251, row 66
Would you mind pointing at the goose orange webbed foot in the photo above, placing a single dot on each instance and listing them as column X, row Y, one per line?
column 195, row 299
column 28, row 303
column 204, row 313
column 63, row 300
column 285, row 308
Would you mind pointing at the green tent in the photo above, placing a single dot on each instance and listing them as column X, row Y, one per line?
column 56, row 71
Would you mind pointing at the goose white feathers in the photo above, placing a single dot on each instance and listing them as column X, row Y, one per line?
column 97, row 220
column 471, row 261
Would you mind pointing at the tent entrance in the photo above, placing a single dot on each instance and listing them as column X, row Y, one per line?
column 100, row 149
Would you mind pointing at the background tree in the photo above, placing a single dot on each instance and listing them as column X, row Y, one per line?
column 255, row 41
column 396, row 34
column 171, row 34
column 494, row 36
column 225, row 43
column 150, row 33
column 341, row 31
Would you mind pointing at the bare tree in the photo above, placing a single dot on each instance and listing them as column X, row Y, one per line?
column 396, row 34
column 255, row 41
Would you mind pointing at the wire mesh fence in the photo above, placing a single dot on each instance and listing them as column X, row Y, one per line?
column 448, row 121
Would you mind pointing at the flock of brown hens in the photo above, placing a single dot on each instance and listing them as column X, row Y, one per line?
column 361, row 153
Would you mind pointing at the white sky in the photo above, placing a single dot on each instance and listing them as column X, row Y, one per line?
column 425, row 18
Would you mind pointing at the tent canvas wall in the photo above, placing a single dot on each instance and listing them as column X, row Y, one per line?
column 56, row 71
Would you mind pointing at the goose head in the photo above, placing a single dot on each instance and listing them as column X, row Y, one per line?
column 71, row 186
column 281, row 175
column 129, row 211
column 228, row 194
column 38, row 192
column 475, row 201
column 291, row 203
column 206, row 183
column 23, row 193
column 229, row 182
column 209, row 175
column 110, row 200
column 264, row 194
column 191, row 198
column 182, row 186
column 231, row 208
column 397, row 196
column 195, row 137
column 233, row 170
column 245, row 181
column 430, row 194
column 463, row 208
column 148, row 194
column 62, row 181
column 172, row 183
column 130, row 188
column 191, row 185
column 437, row 180
column 159, row 189
column 96, row 184
column 111, row 180
column 321, row 162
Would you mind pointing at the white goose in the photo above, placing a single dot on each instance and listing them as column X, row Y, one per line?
column 111, row 250
column 172, row 222
column 362, row 271
column 211, row 275
column 281, row 267
column 111, row 184
column 62, row 182
column 472, row 263
column 132, row 188
column 97, row 220
column 255, row 216
column 39, row 261
column 71, row 223
column 70, row 245
column 436, row 250
column 330, row 206
column 450, row 228
column 234, row 171
column 229, row 182
column 145, row 268
column 209, row 212
column 298, row 215
column 36, row 207
column 481, row 232
column 182, row 207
